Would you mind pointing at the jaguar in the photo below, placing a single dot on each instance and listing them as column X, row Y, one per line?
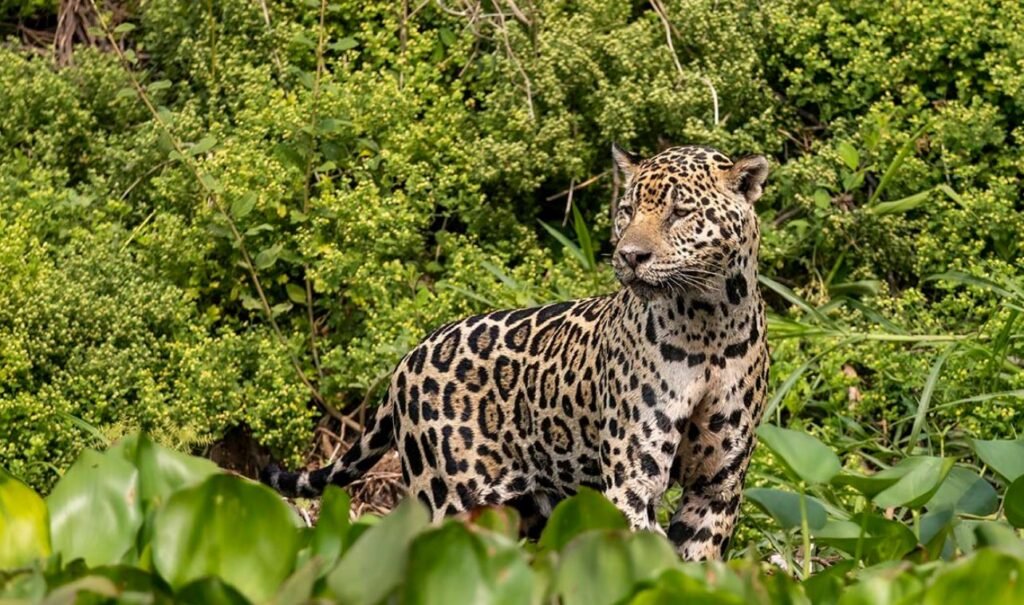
column 660, row 382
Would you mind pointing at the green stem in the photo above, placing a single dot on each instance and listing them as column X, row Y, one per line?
column 805, row 529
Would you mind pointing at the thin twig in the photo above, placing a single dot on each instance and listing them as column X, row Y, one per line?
column 568, row 202
column 273, row 50
column 219, row 204
column 306, row 185
column 519, row 66
column 659, row 8
column 582, row 185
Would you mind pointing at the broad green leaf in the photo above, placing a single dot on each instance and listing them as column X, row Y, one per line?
column 124, row 28
column 229, row 528
column 897, row 588
column 211, row 591
column 331, row 526
column 651, row 554
column 1013, row 503
column 158, row 86
column 964, row 491
column 806, row 457
column 675, row 586
column 784, row 507
column 585, row 511
column 848, row 153
column 24, row 527
column 917, row 486
column 95, row 511
column 872, row 485
column 375, row 564
column 996, row 534
column 507, row 572
column 163, row 471
column 445, row 567
column 988, row 576
column 243, row 205
column 934, row 525
column 595, row 569
column 1004, row 457
column 878, row 540
column 298, row 588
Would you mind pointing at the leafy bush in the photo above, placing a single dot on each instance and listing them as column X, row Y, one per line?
column 142, row 522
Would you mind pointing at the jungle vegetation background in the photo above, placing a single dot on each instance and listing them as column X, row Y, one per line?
column 237, row 215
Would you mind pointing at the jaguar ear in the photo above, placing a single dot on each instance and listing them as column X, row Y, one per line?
column 626, row 161
column 747, row 177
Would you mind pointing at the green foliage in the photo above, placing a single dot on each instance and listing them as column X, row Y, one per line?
column 218, row 538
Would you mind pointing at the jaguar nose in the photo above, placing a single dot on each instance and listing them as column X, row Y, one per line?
column 634, row 256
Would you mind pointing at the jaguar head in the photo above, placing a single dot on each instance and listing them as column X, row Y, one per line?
column 686, row 219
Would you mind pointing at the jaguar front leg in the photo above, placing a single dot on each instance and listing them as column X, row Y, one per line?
column 637, row 461
column 711, row 465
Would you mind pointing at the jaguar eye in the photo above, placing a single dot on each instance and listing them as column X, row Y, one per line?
column 680, row 212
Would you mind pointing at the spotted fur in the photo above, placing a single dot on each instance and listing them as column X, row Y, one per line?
column 663, row 381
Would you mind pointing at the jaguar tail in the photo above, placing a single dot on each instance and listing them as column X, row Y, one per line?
column 377, row 438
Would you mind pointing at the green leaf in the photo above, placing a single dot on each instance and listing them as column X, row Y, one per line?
column 210, row 591
column 210, row 183
column 24, row 527
column 848, row 153
column 445, row 567
column 124, row 28
column 872, row 485
column 895, row 164
column 567, row 244
column 266, row 258
column 296, row 293
column 298, row 588
column 205, row 144
column 242, row 206
column 347, row 43
column 905, row 204
column 95, row 511
column 966, row 492
column 603, row 567
column 163, row 471
column 281, row 308
column 375, row 564
column 784, row 507
column 1004, row 457
column 158, row 85
column 446, row 35
column 508, row 573
column 594, row 570
column 331, row 527
column 229, row 528
column 988, row 576
column 585, row 511
column 804, row 456
column 1013, row 503
column 878, row 540
column 863, row 287
column 917, row 486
